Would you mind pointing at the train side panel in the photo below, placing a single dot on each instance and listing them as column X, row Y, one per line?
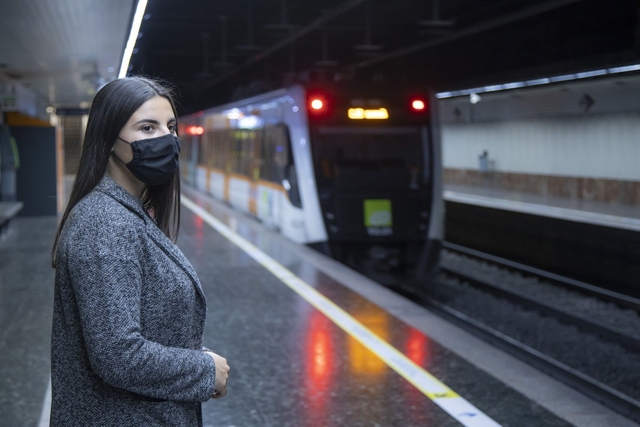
column 296, row 118
column 239, row 192
column 269, row 201
column 217, row 183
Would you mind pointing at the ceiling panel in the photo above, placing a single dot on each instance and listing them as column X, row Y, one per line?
column 63, row 49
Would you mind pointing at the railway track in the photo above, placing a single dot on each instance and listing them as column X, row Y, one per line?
column 606, row 332
column 596, row 389
column 564, row 282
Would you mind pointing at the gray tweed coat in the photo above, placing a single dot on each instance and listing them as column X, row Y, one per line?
column 128, row 321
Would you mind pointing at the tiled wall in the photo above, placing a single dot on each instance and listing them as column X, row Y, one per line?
column 594, row 189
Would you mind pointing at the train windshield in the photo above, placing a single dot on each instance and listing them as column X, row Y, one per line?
column 356, row 159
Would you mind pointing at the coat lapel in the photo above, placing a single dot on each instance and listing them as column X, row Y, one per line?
column 172, row 251
column 111, row 188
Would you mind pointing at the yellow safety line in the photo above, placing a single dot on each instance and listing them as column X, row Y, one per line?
column 434, row 389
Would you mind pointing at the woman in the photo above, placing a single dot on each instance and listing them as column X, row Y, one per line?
column 129, row 311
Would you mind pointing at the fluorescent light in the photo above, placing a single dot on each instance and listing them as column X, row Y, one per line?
column 133, row 36
column 513, row 85
column 563, row 78
column 493, row 88
column 542, row 81
column 591, row 74
column 444, row 95
column 536, row 82
column 625, row 69
column 250, row 122
column 234, row 114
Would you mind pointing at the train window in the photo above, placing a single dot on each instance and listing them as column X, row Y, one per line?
column 293, row 189
column 241, row 155
column 197, row 150
column 185, row 150
column 220, row 149
column 278, row 165
column 368, row 158
column 205, row 150
column 275, row 152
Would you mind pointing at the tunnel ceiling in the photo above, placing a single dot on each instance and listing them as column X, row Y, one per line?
column 216, row 50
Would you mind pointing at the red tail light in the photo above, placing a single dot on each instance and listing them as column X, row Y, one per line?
column 316, row 104
column 418, row 105
column 195, row 130
column 319, row 105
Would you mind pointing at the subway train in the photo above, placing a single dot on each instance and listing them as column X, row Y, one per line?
column 354, row 173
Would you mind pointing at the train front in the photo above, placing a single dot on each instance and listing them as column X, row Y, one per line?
column 377, row 166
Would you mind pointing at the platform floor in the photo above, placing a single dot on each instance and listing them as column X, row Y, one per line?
column 599, row 213
column 292, row 365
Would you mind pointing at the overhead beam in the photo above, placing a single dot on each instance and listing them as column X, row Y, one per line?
column 469, row 31
column 290, row 39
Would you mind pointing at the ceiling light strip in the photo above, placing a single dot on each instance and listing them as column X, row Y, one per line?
column 133, row 37
column 537, row 82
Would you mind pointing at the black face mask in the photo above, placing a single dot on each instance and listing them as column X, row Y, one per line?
column 155, row 160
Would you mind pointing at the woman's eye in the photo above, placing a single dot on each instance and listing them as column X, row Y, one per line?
column 147, row 128
column 173, row 128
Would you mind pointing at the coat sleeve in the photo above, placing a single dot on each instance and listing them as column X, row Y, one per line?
column 106, row 277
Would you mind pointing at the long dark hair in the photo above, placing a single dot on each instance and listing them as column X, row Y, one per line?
column 112, row 107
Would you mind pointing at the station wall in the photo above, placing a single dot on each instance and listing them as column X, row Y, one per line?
column 579, row 140
column 603, row 146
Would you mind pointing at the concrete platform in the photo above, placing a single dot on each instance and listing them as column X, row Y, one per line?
column 615, row 215
column 284, row 315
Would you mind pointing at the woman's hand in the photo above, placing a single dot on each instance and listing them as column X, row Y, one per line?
column 222, row 375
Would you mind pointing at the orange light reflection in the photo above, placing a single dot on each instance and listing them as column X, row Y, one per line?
column 361, row 359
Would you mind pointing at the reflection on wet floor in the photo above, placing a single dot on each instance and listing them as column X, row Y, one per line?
column 316, row 373
column 291, row 365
